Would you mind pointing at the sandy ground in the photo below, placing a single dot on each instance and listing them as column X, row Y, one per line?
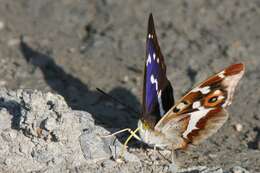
column 81, row 45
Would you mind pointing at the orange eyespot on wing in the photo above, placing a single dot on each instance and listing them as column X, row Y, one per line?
column 214, row 99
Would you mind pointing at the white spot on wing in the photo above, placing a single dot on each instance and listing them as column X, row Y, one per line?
column 180, row 106
column 154, row 56
column 149, row 60
column 160, row 103
column 158, row 60
column 154, row 81
column 217, row 92
column 194, row 119
column 221, row 74
column 221, row 97
column 196, row 105
column 204, row 90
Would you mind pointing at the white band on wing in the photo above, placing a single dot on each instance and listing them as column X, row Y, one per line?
column 194, row 119
column 160, row 103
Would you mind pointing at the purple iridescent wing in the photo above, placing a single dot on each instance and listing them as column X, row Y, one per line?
column 157, row 90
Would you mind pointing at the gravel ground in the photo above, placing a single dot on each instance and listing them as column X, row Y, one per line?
column 72, row 47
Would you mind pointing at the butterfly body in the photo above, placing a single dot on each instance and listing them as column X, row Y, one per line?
column 155, row 138
column 151, row 137
column 196, row 116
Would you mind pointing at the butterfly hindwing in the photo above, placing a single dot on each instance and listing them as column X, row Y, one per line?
column 201, row 112
column 157, row 90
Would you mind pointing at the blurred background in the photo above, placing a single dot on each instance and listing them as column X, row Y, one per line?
column 70, row 47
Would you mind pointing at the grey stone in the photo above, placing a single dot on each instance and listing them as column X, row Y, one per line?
column 50, row 123
column 238, row 169
column 130, row 157
column 173, row 167
column 5, row 119
column 93, row 147
column 201, row 169
column 38, row 130
column 108, row 164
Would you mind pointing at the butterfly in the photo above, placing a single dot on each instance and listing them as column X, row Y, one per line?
column 193, row 118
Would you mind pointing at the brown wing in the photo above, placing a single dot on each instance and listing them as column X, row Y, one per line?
column 201, row 112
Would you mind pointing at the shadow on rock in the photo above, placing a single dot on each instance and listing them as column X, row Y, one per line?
column 110, row 115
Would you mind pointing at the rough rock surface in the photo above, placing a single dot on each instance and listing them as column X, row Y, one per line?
column 40, row 133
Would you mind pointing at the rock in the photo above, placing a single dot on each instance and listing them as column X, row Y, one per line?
column 201, row 169
column 173, row 167
column 125, row 79
column 5, row 117
column 38, row 131
column 238, row 169
column 108, row 164
column 50, row 124
column 94, row 147
column 13, row 42
column 129, row 157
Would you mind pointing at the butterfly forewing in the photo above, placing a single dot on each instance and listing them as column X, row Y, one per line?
column 201, row 112
column 157, row 90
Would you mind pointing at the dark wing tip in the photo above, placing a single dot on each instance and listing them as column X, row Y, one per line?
column 151, row 29
column 151, row 16
column 235, row 69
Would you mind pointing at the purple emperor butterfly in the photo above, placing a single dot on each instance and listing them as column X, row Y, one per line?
column 195, row 117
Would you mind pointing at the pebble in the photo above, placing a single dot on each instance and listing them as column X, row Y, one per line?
column 173, row 167
column 71, row 50
column 238, row 169
column 125, row 79
column 108, row 164
column 13, row 42
column 238, row 127
column 50, row 123
column 5, row 117
column 129, row 157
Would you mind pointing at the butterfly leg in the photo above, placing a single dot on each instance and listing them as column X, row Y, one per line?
column 173, row 155
column 154, row 154
column 133, row 134
column 174, row 164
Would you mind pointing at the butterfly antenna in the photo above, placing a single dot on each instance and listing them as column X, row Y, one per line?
column 129, row 108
